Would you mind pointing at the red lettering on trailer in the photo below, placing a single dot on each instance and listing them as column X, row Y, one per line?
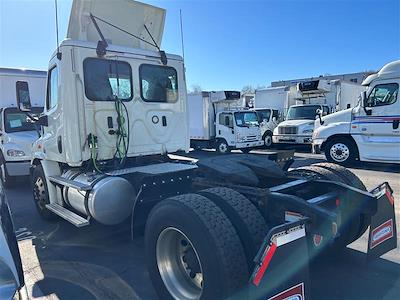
column 381, row 233
column 294, row 293
column 267, row 259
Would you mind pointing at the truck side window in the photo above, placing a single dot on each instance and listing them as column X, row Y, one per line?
column 107, row 80
column 226, row 120
column 383, row 94
column 325, row 110
column 52, row 89
column 158, row 83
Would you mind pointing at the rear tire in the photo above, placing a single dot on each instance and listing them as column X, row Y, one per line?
column 319, row 172
column 351, row 179
column 245, row 217
column 40, row 193
column 213, row 244
column 341, row 151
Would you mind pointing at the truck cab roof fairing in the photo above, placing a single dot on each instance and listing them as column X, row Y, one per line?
column 128, row 15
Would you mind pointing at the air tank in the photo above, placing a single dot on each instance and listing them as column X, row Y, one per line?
column 109, row 202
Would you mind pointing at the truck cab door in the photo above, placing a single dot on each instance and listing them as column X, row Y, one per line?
column 376, row 126
column 51, row 141
column 225, row 128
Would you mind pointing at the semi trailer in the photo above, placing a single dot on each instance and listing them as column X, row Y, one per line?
column 233, row 226
column 17, row 131
column 219, row 120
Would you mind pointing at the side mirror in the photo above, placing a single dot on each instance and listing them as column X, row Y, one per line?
column 364, row 103
column 23, row 98
column 319, row 114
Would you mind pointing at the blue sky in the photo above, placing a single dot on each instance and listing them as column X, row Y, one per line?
column 230, row 44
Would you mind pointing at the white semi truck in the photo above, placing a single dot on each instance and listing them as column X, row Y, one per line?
column 218, row 120
column 325, row 95
column 368, row 132
column 17, row 131
column 116, row 106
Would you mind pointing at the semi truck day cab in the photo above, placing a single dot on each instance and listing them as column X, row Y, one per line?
column 17, row 131
column 228, row 226
column 368, row 132
column 218, row 120
column 328, row 95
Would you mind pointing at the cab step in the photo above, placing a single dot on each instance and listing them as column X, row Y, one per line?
column 59, row 180
column 68, row 215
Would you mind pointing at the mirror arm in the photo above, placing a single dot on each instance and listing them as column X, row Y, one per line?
column 320, row 120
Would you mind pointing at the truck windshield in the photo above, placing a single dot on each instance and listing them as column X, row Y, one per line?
column 307, row 112
column 15, row 121
column 246, row 119
column 264, row 114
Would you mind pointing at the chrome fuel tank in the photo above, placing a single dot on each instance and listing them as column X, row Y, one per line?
column 109, row 201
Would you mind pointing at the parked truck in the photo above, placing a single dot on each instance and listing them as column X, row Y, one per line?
column 17, row 131
column 219, row 120
column 268, row 120
column 309, row 96
column 368, row 132
column 228, row 226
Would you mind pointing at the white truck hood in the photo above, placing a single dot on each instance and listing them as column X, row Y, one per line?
column 342, row 116
column 128, row 15
column 22, row 140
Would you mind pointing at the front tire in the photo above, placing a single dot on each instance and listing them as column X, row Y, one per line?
column 6, row 179
column 341, row 151
column 40, row 193
column 223, row 147
column 268, row 140
column 193, row 250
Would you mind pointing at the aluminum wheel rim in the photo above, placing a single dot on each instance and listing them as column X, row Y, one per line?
column 39, row 193
column 223, row 147
column 268, row 140
column 340, row 152
column 179, row 264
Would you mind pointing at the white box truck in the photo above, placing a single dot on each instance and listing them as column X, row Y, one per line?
column 218, row 120
column 368, row 132
column 113, row 113
column 309, row 96
column 17, row 130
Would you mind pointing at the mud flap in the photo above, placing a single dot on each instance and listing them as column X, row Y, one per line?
column 281, row 270
column 383, row 232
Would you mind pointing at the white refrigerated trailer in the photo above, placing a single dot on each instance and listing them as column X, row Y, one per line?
column 17, row 132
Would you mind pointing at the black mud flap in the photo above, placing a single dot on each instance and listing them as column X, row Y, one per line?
column 281, row 270
column 383, row 232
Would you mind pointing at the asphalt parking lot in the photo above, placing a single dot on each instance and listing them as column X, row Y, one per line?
column 97, row 262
